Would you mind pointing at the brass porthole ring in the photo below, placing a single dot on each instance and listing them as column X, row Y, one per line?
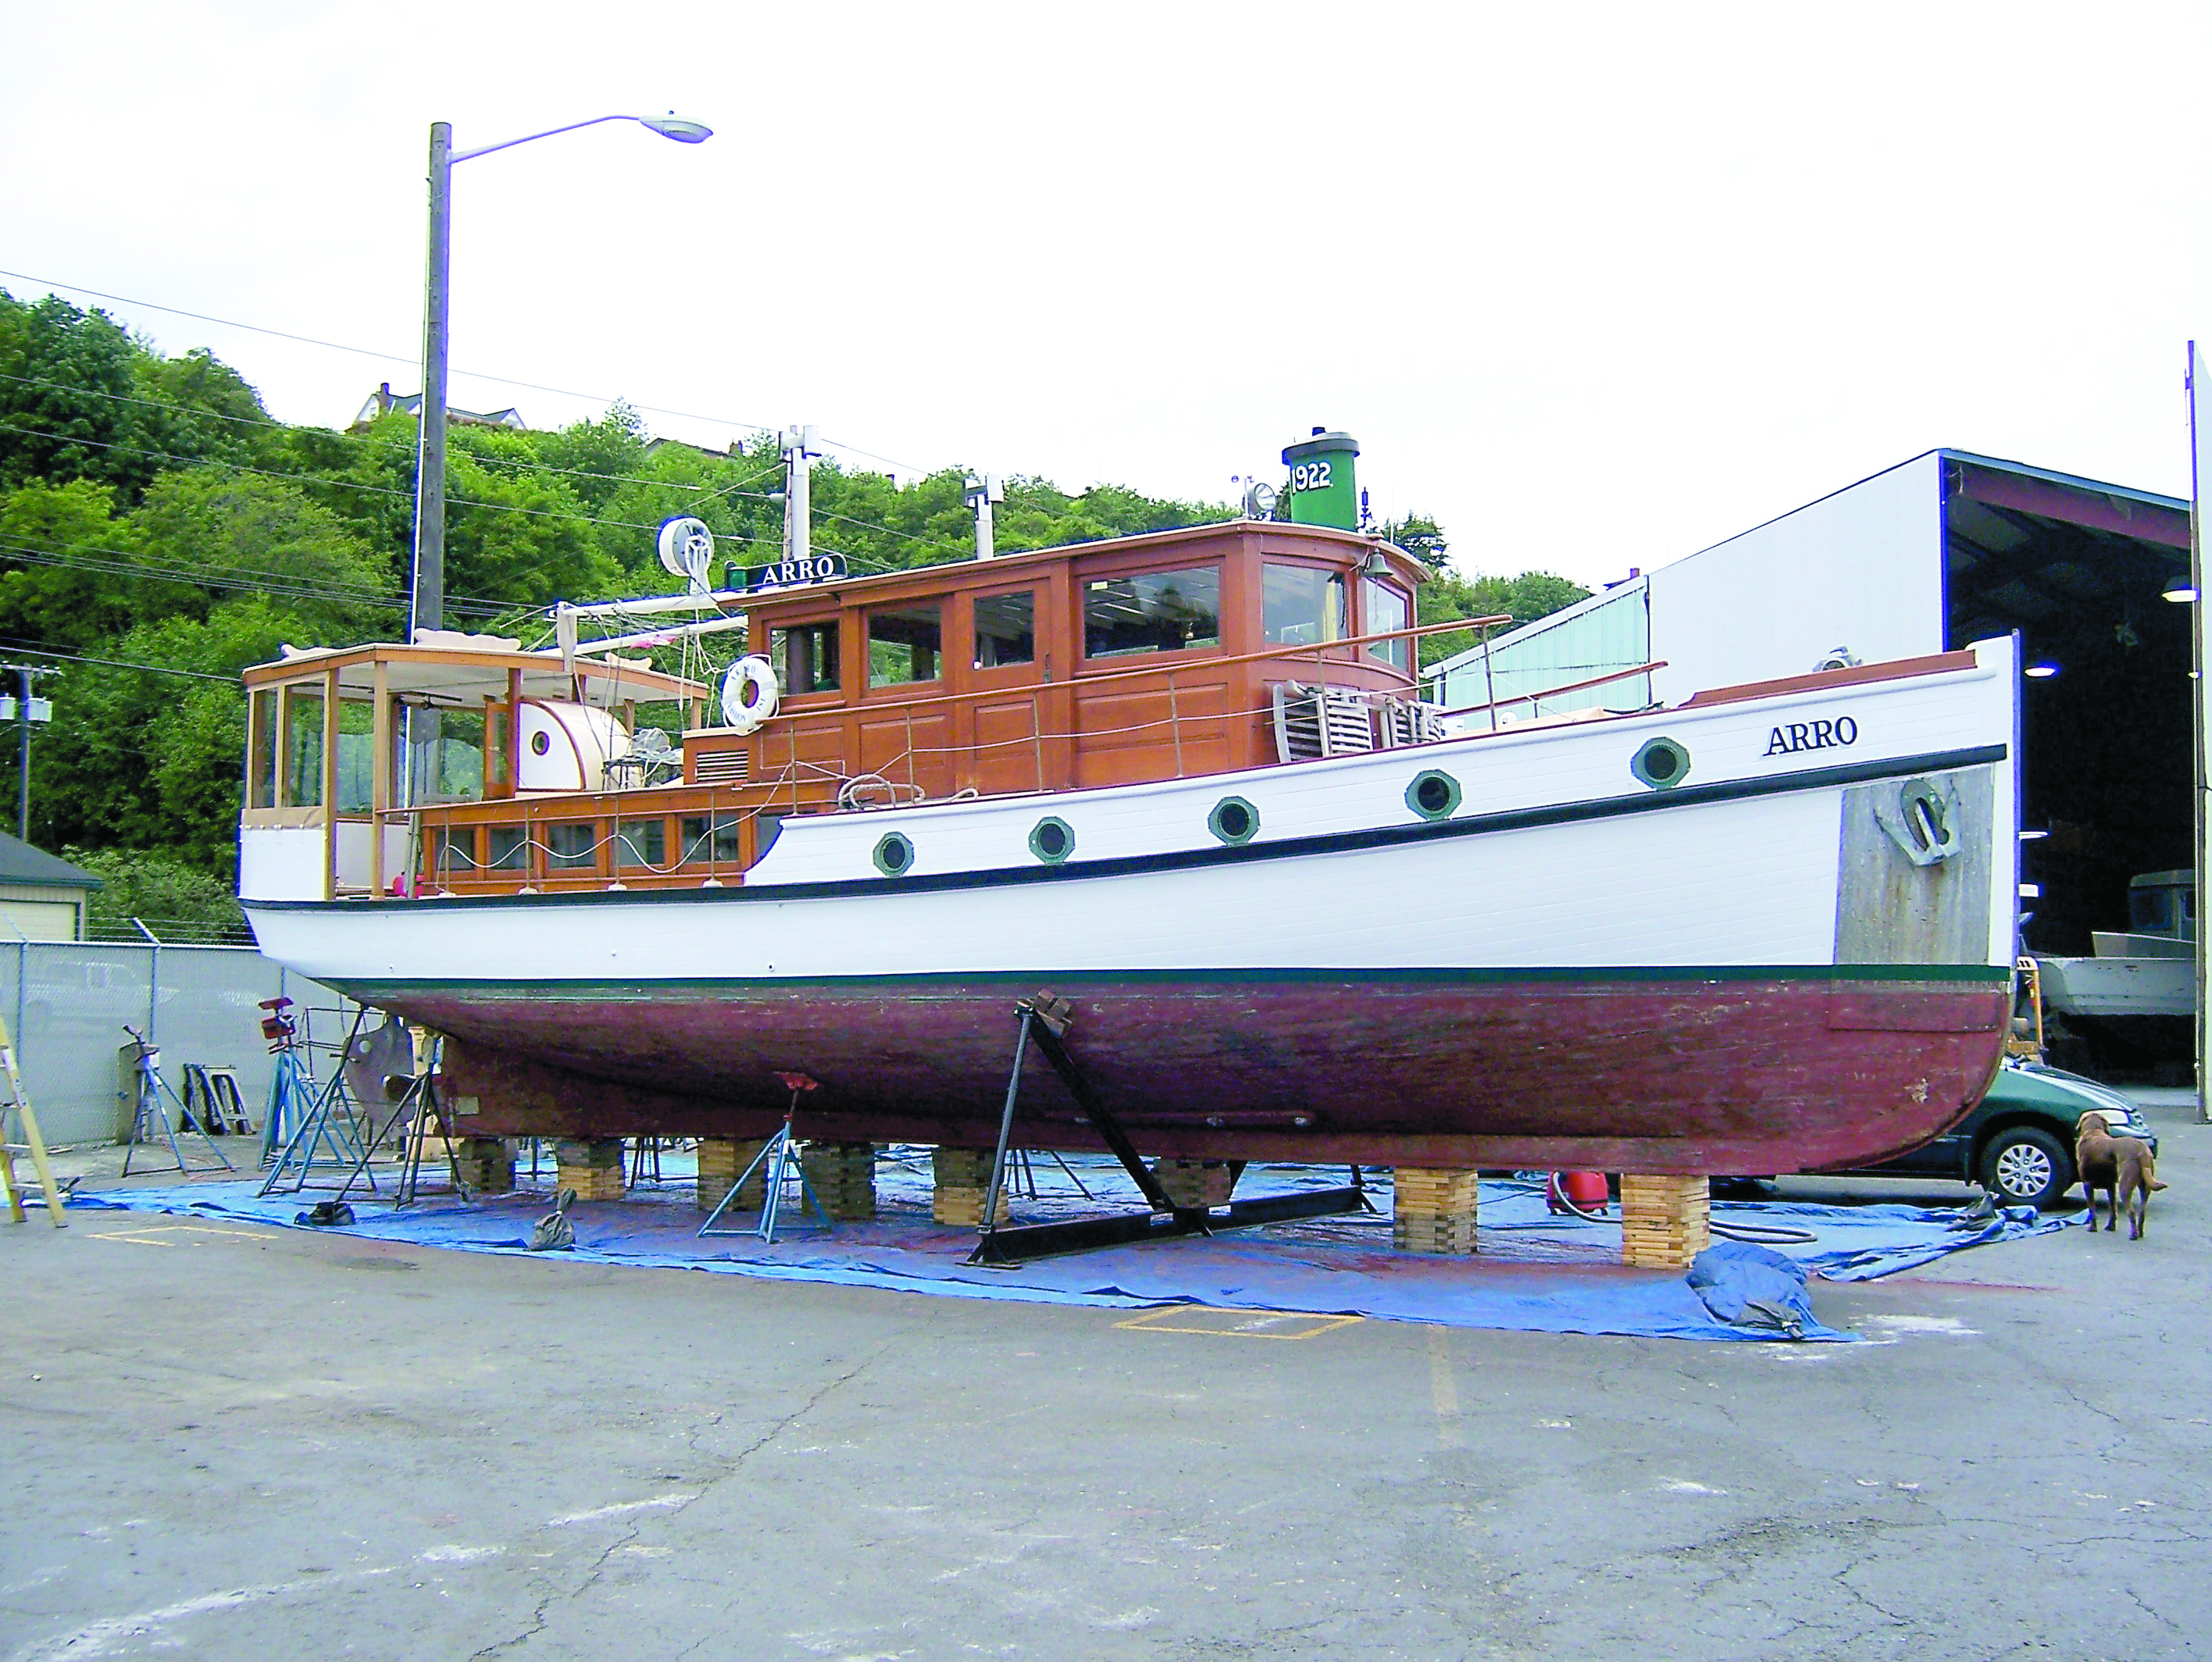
column 893, row 854
column 1052, row 839
column 1234, row 820
column 1663, row 763
column 1434, row 794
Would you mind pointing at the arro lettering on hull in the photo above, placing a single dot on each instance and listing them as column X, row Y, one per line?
column 1824, row 735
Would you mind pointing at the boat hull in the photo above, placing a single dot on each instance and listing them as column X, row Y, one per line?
column 1694, row 1072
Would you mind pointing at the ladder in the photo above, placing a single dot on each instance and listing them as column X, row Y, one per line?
column 19, row 1105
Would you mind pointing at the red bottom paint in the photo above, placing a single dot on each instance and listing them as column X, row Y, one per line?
column 1635, row 1074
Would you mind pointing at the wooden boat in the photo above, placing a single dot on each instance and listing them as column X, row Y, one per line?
column 1186, row 781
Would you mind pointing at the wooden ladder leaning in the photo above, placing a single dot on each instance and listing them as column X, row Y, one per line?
column 26, row 1127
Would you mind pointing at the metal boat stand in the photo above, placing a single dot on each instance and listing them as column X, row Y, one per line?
column 1043, row 1020
column 780, row 1154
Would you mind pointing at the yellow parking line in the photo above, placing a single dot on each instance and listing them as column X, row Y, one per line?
column 1237, row 1324
column 144, row 1236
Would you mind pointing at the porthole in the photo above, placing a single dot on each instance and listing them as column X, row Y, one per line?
column 1052, row 839
column 1661, row 763
column 1234, row 820
column 540, row 743
column 1434, row 794
column 893, row 855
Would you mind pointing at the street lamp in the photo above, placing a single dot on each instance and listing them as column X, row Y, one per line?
column 429, row 609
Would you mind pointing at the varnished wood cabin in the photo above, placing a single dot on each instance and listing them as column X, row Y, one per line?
column 1188, row 651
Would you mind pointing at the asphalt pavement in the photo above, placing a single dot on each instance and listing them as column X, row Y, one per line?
column 238, row 1442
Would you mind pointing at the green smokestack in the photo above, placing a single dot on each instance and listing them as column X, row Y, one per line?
column 1323, row 491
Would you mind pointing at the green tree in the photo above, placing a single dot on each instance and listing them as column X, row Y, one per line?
column 178, row 902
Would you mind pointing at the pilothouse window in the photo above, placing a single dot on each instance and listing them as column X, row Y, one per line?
column 904, row 643
column 1006, row 629
column 1166, row 611
column 1387, row 608
column 805, row 657
column 1302, row 605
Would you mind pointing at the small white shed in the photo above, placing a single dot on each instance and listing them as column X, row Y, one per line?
column 42, row 898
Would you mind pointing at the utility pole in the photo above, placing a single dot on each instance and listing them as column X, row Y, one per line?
column 798, row 453
column 24, row 710
column 429, row 607
column 980, row 493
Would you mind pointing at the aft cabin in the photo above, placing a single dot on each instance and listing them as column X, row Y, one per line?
column 463, row 765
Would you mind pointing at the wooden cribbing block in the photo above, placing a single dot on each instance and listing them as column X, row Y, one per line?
column 1665, row 1222
column 592, row 1168
column 962, row 1179
column 487, row 1164
column 721, row 1159
column 843, row 1177
column 1194, row 1182
column 1433, row 1210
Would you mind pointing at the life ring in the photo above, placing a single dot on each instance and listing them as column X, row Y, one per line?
column 749, row 693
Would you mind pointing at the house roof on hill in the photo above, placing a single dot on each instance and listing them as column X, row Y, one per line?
column 21, row 863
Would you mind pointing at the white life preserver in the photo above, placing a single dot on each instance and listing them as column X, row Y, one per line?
column 749, row 693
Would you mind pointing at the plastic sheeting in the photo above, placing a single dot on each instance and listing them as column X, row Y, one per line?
column 1536, row 1272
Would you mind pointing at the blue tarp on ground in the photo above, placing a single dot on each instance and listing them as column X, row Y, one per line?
column 1536, row 1273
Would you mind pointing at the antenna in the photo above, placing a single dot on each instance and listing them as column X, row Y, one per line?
column 801, row 445
column 979, row 494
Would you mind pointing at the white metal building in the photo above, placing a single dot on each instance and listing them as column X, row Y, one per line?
column 1941, row 550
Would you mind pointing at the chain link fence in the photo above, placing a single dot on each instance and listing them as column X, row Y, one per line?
column 68, row 1002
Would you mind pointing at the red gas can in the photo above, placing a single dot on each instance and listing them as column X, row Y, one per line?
column 1576, row 1190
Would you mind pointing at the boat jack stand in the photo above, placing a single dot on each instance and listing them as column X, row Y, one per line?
column 1043, row 1020
column 780, row 1154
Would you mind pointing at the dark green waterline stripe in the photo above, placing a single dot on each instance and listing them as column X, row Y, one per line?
column 1073, row 871
column 1028, row 981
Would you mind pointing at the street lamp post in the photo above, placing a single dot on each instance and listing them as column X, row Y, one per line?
column 428, row 609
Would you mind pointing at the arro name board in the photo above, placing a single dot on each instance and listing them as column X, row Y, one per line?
column 1813, row 735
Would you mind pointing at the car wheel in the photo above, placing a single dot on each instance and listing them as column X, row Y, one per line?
column 2023, row 1165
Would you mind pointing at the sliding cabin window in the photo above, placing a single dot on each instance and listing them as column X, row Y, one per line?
column 905, row 644
column 261, row 751
column 711, row 839
column 1387, row 608
column 452, row 849
column 805, row 657
column 641, row 843
column 1302, row 605
column 507, row 848
column 1006, row 629
column 303, row 748
column 571, row 847
column 1165, row 611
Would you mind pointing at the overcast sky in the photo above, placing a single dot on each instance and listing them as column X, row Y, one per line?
column 1594, row 286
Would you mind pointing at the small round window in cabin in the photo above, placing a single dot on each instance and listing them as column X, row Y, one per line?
column 1434, row 794
column 1234, row 820
column 1052, row 840
column 1661, row 763
column 893, row 855
column 540, row 743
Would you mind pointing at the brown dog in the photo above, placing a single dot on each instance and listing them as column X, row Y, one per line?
column 2123, row 1167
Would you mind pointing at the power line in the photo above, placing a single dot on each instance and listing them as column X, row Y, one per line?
column 316, row 478
column 115, row 663
column 269, row 424
column 393, row 357
column 128, row 563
